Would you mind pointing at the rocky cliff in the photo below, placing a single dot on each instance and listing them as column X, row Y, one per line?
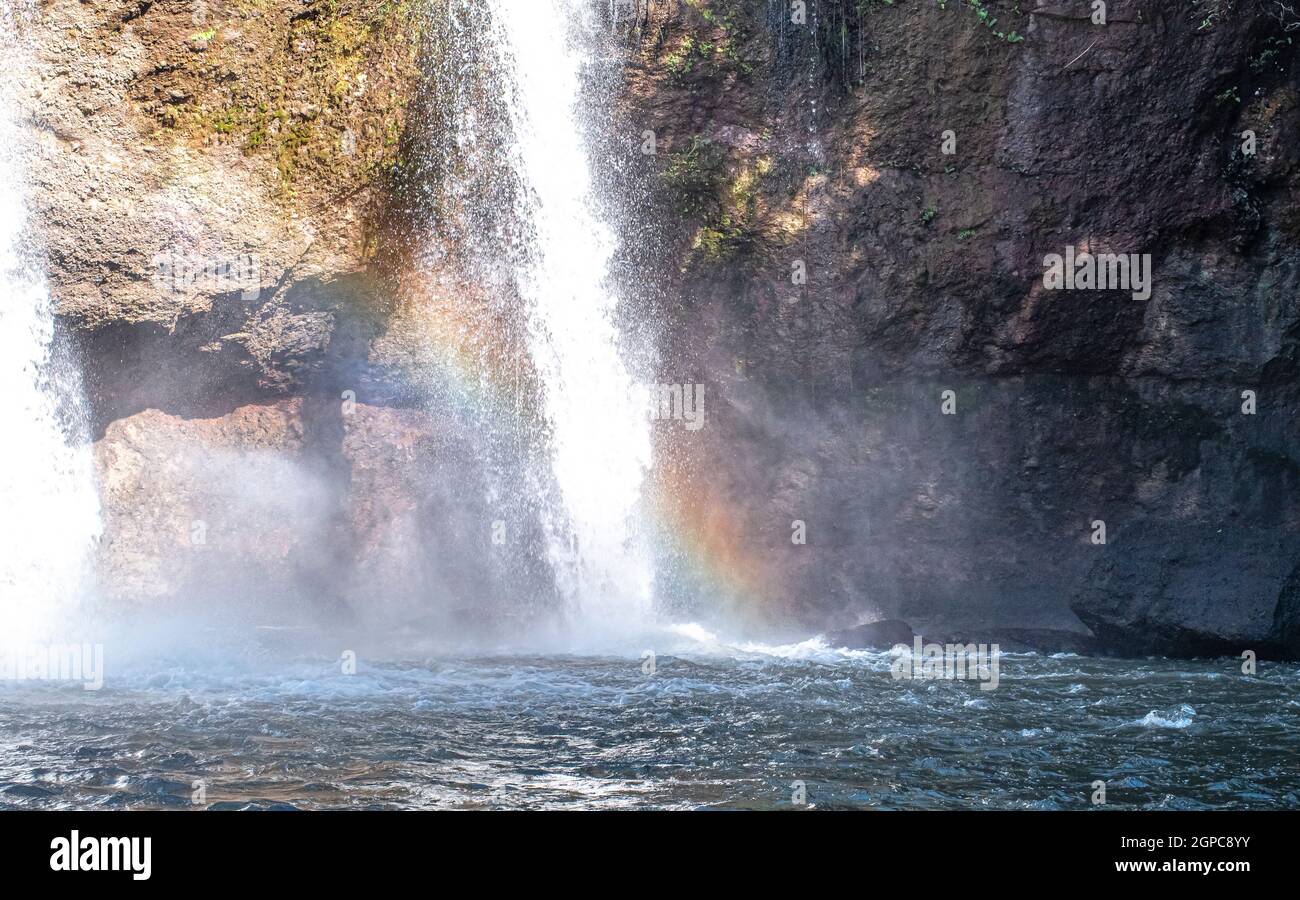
column 835, row 217
column 918, row 161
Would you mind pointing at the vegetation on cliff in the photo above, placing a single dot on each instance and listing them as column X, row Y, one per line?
column 318, row 91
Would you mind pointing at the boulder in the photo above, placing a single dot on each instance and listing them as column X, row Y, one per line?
column 879, row 635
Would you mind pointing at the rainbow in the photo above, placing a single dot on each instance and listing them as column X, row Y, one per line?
column 469, row 361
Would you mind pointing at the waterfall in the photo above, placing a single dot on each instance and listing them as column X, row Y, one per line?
column 598, row 432
column 51, row 504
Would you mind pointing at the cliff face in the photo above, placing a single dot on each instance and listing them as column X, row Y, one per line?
column 822, row 149
column 208, row 185
column 798, row 241
column 294, row 512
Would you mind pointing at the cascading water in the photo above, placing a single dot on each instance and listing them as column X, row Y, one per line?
column 598, row 429
column 51, row 519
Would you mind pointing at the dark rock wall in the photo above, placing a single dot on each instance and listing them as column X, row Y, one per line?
column 925, row 275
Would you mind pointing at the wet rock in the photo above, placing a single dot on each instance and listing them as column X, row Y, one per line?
column 873, row 635
column 925, row 276
column 308, row 508
column 200, row 170
column 1219, row 593
column 1024, row 640
column 194, row 507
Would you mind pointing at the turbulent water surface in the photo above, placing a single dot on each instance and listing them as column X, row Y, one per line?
column 715, row 726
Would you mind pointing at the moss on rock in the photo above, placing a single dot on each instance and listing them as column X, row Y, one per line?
column 318, row 92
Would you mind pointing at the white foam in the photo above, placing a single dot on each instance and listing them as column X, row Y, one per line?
column 1179, row 718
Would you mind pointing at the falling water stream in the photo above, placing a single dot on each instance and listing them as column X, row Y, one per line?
column 51, row 504
column 599, row 433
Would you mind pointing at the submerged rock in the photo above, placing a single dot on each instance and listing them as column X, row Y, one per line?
column 873, row 635
column 1025, row 640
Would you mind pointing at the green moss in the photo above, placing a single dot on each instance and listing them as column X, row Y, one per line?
column 718, row 241
column 990, row 21
column 343, row 71
column 1268, row 57
column 695, row 176
column 225, row 121
column 292, row 139
column 724, row 198
column 716, row 47
column 258, row 124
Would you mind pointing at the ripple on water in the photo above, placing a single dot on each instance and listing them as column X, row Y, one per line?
column 708, row 729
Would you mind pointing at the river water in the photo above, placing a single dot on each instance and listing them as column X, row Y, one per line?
column 715, row 726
